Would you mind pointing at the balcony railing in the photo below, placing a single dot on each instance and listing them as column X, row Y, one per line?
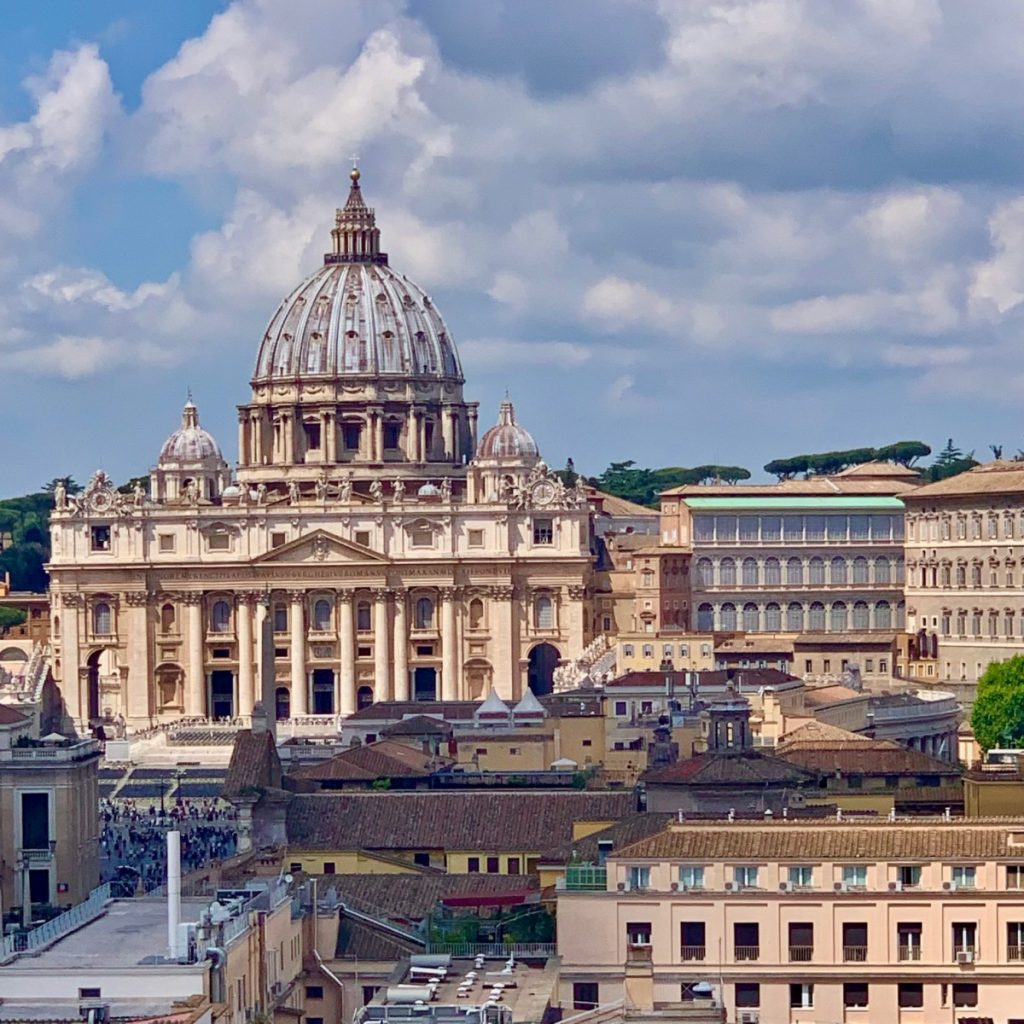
column 801, row 954
column 965, row 954
column 855, row 954
column 747, row 952
column 907, row 953
column 692, row 952
column 1015, row 953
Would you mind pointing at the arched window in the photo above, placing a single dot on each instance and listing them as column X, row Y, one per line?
column 860, row 569
column 975, row 575
column 837, row 570
column 883, row 573
column 750, row 572
column 102, row 620
column 727, row 572
column 816, row 571
column 220, row 617
column 794, row 571
column 751, row 617
column 544, row 612
column 705, row 572
column 476, row 613
column 322, row 615
column 961, row 576
column 773, row 572
column 727, row 618
column 861, row 615
column 883, row 615
column 901, row 615
column 280, row 618
column 816, row 618
column 795, row 617
column 364, row 696
column 424, row 615
column 839, row 617
column 944, row 576
column 363, row 618
column 167, row 618
column 772, row 618
column 705, row 618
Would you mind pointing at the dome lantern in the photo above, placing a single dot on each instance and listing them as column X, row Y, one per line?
column 355, row 237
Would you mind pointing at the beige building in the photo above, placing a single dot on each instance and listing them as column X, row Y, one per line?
column 370, row 547
column 809, row 921
column 964, row 568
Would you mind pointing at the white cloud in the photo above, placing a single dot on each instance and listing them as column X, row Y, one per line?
column 486, row 353
column 997, row 285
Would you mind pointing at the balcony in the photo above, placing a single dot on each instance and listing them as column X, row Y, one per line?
column 855, row 954
column 747, row 952
column 39, row 752
column 586, row 878
column 909, row 953
column 692, row 952
column 801, row 954
column 1015, row 953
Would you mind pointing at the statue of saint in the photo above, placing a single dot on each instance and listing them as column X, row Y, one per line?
column 293, row 493
column 377, row 491
column 345, row 490
column 446, row 490
column 398, row 492
column 321, row 487
column 60, row 496
column 138, row 495
column 261, row 493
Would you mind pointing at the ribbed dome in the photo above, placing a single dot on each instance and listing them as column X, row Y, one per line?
column 356, row 316
column 507, row 440
column 189, row 443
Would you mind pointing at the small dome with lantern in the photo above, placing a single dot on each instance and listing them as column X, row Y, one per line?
column 191, row 464
column 507, row 441
column 190, row 443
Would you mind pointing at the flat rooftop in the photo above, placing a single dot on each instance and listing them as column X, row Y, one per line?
column 129, row 933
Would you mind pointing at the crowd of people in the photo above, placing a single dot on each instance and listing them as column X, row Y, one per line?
column 133, row 841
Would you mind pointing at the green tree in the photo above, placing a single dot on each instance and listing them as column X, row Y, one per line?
column 951, row 461
column 998, row 715
column 903, row 453
column 10, row 617
column 69, row 485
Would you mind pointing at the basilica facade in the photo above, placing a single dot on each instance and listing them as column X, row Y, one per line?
column 369, row 546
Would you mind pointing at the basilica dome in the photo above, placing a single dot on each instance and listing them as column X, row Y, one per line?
column 507, row 440
column 355, row 316
column 190, row 443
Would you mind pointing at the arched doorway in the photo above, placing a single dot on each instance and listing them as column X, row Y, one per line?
column 364, row 697
column 424, row 681
column 93, row 686
column 282, row 703
column 540, row 672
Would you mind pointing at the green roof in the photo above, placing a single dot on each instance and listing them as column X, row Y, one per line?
column 826, row 503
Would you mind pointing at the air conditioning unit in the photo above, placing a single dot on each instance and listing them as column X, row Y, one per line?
column 965, row 956
column 675, row 887
column 949, row 886
column 749, row 1017
column 841, row 887
column 731, row 886
column 895, row 887
column 622, row 887
column 785, row 886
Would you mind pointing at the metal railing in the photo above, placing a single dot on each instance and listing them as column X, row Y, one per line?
column 801, row 954
column 906, row 953
column 692, row 952
column 522, row 950
column 747, row 952
column 1015, row 953
column 855, row 954
column 58, row 926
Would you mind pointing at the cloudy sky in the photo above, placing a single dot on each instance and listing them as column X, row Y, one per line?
column 682, row 232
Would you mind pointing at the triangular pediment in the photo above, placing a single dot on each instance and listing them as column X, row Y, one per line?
column 321, row 546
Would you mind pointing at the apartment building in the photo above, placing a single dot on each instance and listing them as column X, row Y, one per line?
column 819, row 555
column 964, row 567
column 887, row 922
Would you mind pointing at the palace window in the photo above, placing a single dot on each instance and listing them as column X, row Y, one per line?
column 544, row 612
column 363, row 617
column 424, row 613
column 476, row 538
column 772, row 618
column 322, row 616
column 280, row 618
column 817, row 617
column 220, row 617
column 166, row 543
column 392, row 435
column 773, row 572
column 727, row 572
column 476, row 613
column 100, row 538
column 727, row 618
column 883, row 570
column 102, row 620
column 750, row 573
column 838, row 570
column 816, row 571
column 312, row 432
column 543, row 531
column 350, row 433
column 795, row 617
column 422, row 537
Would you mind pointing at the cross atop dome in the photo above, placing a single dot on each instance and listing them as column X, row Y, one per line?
column 355, row 237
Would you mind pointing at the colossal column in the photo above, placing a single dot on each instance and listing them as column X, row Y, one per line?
column 506, row 650
column 246, row 664
column 449, row 680
column 195, row 699
column 298, row 630
column 381, row 666
column 70, row 655
column 346, row 639
column 140, row 701
column 401, row 648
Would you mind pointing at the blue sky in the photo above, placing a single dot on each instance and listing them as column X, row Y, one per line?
column 680, row 232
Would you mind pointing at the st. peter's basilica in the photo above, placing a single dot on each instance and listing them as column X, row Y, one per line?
column 368, row 547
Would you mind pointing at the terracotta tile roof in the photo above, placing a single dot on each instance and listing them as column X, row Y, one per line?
column 623, row 833
column 991, row 478
column 418, row 725
column 410, row 898
column 867, row 759
column 524, row 821
column 821, row 696
column 10, row 716
column 722, row 768
column 978, row 839
column 614, row 506
column 254, row 764
column 360, row 941
column 381, row 760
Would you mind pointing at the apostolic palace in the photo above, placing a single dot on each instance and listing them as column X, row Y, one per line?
column 369, row 546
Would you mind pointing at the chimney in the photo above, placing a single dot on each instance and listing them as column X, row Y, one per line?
column 173, row 892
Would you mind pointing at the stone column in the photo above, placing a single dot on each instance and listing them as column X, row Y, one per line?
column 381, row 673
column 70, row 655
column 504, row 648
column 297, row 620
column 346, row 640
column 472, row 427
column 195, row 697
column 412, row 436
column 330, row 439
column 446, row 434
column 244, row 448
column 573, row 628
column 449, row 673
column 246, row 663
column 140, row 702
column 401, row 644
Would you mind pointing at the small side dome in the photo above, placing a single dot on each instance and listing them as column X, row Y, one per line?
column 428, row 491
column 507, row 441
column 189, row 444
